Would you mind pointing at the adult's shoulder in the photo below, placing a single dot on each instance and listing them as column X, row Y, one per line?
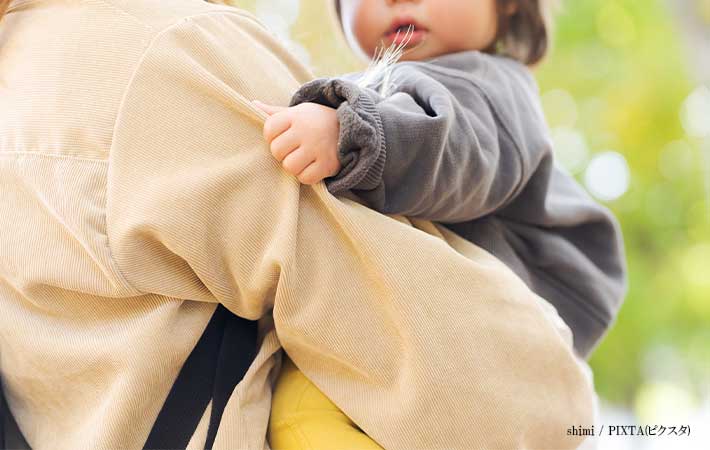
column 184, row 29
column 100, row 49
column 94, row 48
column 157, row 16
column 139, row 25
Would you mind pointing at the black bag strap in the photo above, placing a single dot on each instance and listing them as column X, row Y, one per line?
column 3, row 408
column 216, row 365
column 212, row 371
column 10, row 434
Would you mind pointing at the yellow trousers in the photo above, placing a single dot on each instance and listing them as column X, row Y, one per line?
column 303, row 418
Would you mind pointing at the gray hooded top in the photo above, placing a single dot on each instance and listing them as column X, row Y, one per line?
column 462, row 140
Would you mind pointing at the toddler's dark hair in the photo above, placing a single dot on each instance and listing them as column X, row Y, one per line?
column 524, row 35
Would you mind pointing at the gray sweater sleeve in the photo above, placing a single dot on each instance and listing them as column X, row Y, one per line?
column 440, row 136
column 463, row 138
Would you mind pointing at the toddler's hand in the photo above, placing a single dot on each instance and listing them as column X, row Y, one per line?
column 304, row 139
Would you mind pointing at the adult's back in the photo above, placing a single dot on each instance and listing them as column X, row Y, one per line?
column 88, row 358
column 145, row 229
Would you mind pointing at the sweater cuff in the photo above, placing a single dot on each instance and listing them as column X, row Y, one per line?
column 361, row 142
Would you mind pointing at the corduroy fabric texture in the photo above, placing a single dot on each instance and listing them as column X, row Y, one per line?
column 138, row 193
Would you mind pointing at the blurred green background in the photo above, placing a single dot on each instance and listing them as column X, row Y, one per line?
column 625, row 91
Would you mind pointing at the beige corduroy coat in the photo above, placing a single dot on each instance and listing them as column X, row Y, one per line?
column 137, row 195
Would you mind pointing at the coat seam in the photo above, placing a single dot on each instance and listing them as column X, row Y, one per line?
column 151, row 45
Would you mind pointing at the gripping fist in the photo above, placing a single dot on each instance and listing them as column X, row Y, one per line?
column 304, row 139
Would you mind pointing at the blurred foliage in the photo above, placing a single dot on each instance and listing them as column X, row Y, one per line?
column 627, row 54
column 628, row 75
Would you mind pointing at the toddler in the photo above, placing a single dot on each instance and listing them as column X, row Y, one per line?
column 452, row 133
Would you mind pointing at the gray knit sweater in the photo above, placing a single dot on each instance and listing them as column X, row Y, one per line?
column 462, row 141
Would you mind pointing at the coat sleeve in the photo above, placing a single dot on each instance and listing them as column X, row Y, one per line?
column 368, row 306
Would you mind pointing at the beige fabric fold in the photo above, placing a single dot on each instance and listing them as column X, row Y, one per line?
column 138, row 193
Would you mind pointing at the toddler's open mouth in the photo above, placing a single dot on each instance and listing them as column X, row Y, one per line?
column 405, row 30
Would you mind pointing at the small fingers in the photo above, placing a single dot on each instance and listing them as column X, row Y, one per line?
column 312, row 174
column 276, row 125
column 296, row 161
column 284, row 144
